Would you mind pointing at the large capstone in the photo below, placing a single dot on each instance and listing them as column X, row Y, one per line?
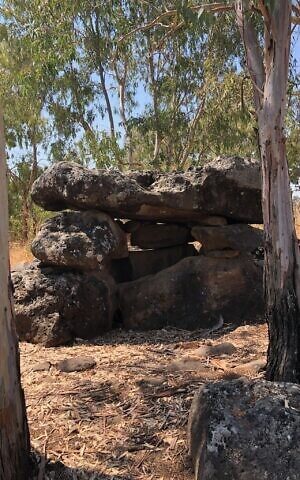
column 245, row 430
column 54, row 307
column 79, row 240
column 195, row 293
column 228, row 187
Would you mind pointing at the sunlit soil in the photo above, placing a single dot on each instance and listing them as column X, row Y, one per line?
column 19, row 253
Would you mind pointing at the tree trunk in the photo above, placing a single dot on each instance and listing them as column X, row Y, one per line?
column 154, row 91
column 107, row 100
column 14, row 436
column 269, row 74
column 282, row 259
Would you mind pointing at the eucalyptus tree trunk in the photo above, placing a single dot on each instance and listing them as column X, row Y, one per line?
column 282, row 259
column 14, row 436
column 282, row 274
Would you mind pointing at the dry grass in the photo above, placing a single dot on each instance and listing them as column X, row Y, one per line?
column 126, row 418
column 19, row 253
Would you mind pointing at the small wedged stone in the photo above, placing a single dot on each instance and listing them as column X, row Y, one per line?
column 227, row 187
column 245, row 430
column 53, row 307
column 81, row 240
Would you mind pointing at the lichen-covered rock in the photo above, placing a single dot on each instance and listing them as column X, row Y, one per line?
column 195, row 293
column 243, row 238
column 80, row 240
column 228, row 187
column 53, row 306
column 245, row 430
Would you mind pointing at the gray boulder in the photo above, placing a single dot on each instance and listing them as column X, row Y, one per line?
column 245, row 430
column 80, row 240
column 53, row 307
column 194, row 293
column 229, row 187
column 243, row 238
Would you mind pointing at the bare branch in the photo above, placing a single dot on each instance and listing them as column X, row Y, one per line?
column 210, row 7
column 254, row 56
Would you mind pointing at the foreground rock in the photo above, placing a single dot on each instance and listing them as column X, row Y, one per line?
column 79, row 240
column 54, row 307
column 229, row 187
column 246, row 430
column 195, row 293
column 239, row 237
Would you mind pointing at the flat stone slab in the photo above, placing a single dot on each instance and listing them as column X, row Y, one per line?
column 80, row 240
column 245, row 430
column 227, row 187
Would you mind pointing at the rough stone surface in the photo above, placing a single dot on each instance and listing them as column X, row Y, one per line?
column 76, row 364
column 160, row 235
column 41, row 367
column 79, row 240
column 229, row 187
column 246, row 430
column 53, row 307
column 225, row 348
column 195, row 293
column 141, row 263
column 243, row 238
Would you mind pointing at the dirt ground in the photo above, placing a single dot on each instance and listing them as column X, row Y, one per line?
column 126, row 418
column 19, row 253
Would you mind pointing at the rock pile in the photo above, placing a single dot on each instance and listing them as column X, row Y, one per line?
column 146, row 249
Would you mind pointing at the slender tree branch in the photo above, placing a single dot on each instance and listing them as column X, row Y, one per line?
column 254, row 56
column 210, row 7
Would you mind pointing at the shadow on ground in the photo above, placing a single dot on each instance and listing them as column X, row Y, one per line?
column 59, row 471
column 168, row 335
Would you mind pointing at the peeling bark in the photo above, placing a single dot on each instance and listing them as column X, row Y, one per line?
column 282, row 257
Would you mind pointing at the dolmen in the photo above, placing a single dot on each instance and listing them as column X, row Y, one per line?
column 142, row 250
